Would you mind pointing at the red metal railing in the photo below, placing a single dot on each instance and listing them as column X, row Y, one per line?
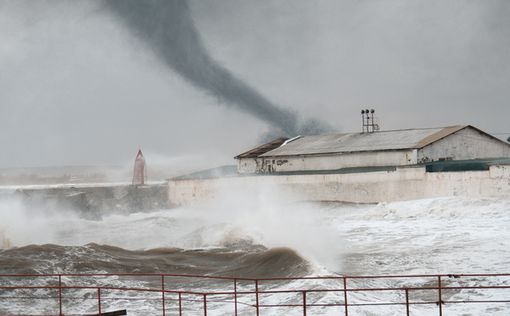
column 79, row 294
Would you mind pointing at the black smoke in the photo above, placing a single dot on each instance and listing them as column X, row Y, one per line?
column 167, row 28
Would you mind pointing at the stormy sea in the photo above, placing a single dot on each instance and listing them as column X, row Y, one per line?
column 250, row 237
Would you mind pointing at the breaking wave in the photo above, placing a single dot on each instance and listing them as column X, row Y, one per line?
column 250, row 261
column 442, row 235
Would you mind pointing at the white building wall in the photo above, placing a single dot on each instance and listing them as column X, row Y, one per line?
column 467, row 143
column 371, row 187
column 247, row 165
column 338, row 161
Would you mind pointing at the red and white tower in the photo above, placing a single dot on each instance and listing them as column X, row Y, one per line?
column 139, row 169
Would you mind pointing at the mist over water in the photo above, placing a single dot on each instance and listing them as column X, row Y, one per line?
column 319, row 238
column 264, row 233
column 257, row 224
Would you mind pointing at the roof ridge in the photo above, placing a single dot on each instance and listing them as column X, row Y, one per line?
column 442, row 133
column 386, row 131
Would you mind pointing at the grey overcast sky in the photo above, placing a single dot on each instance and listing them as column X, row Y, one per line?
column 77, row 87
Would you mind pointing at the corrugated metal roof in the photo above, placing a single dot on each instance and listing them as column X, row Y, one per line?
column 439, row 135
column 355, row 142
column 257, row 151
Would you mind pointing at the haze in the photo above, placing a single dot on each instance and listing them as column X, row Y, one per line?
column 78, row 88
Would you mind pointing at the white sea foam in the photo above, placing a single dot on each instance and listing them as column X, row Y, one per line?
column 443, row 235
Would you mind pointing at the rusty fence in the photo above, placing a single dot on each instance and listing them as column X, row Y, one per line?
column 175, row 294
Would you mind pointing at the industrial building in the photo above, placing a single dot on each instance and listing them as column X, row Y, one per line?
column 372, row 149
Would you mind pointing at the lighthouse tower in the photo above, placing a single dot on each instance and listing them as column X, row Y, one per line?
column 139, row 169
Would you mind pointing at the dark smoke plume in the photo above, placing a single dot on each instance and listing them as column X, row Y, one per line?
column 166, row 27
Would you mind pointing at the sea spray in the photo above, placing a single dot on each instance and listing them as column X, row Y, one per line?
column 240, row 219
column 237, row 235
column 275, row 216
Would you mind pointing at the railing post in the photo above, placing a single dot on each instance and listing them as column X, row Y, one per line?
column 99, row 301
column 163, row 293
column 205, row 304
column 60, row 295
column 407, row 302
column 180, row 304
column 257, row 297
column 304, row 303
column 345, row 297
column 440, row 303
column 235, row 297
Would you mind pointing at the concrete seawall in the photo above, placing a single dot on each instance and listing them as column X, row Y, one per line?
column 91, row 200
column 367, row 187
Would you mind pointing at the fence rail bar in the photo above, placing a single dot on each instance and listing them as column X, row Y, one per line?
column 205, row 304
column 346, row 309
column 99, row 301
column 256, row 297
column 304, row 303
column 235, row 297
column 60, row 295
column 331, row 277
column 379, row 289
column 440, row 299
column 180, row 304
column 114, row 313
column 163, row 293
column 407, row 302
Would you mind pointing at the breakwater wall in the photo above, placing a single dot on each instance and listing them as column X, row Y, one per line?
column 360, row 187
column 93, row 200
